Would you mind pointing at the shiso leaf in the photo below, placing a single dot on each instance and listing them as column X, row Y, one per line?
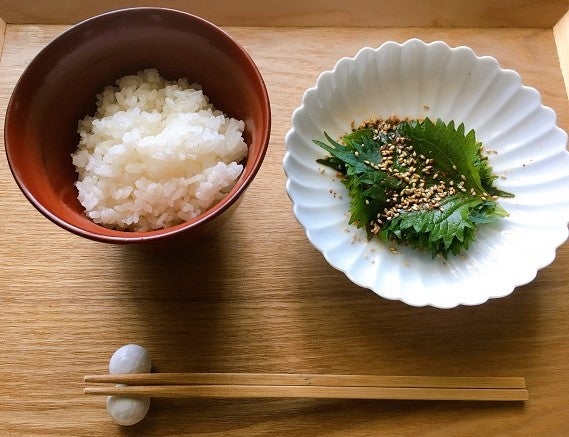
column 458, row 157
column 449, row 229
column 450, row 146
column 452, row 149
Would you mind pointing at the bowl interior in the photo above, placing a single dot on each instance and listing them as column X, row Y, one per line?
column 59, row 87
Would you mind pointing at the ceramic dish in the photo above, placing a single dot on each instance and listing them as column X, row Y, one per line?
column 417, row 80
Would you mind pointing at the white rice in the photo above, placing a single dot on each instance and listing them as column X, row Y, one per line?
column 155, row 154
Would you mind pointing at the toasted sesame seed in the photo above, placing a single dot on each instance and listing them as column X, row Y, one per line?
column 399, row 160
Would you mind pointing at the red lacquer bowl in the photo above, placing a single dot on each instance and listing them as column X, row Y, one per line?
column 59, row 86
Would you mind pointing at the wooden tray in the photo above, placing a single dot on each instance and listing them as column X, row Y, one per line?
column 259, row 298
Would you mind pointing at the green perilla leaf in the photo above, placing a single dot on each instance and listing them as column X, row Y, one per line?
column 456, row 158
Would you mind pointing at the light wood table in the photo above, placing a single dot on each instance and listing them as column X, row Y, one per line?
column 259, row 297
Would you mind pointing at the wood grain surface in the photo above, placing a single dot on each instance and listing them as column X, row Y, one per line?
column 393, row 13
column 259, row 298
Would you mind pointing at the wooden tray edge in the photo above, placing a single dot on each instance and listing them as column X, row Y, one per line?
column 363, row 13
column 561, row 35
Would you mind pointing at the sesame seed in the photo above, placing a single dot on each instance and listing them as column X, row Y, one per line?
column 422, row 189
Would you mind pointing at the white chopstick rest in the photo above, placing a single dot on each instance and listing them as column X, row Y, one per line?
column 129, row 359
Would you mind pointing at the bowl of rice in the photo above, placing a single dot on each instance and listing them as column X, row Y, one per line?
column 136, row 125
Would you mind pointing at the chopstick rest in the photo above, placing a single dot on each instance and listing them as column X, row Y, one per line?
column 283, row 385
column 129, row 359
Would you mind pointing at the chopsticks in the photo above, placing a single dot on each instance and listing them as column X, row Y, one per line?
column 252, row 385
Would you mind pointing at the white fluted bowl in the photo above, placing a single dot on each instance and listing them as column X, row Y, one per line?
column 417, row 80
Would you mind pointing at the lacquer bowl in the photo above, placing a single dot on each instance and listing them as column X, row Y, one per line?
column 59, row 87
column 418, row 80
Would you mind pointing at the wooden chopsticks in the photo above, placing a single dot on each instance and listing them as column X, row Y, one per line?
column 251, row 385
